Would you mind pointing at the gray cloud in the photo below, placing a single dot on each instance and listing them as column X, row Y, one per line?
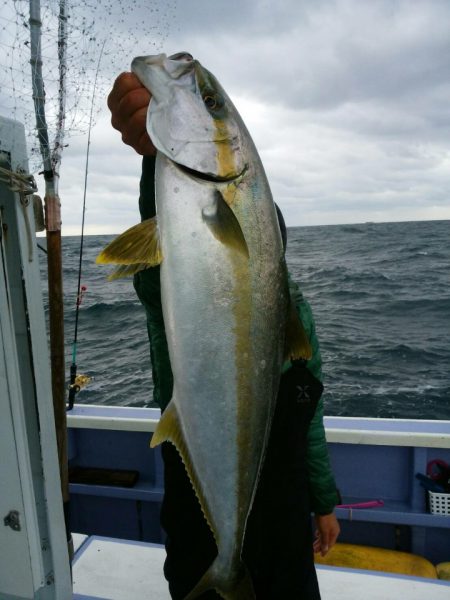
column 347, row 101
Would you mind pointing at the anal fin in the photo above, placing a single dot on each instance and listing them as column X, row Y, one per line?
column 169, row 429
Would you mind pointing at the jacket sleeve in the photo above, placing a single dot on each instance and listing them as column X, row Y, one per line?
column 147, row 286
column 323, row 492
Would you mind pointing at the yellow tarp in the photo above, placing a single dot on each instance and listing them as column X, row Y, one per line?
column 377, row 559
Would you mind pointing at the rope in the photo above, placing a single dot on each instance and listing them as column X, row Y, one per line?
column 18, row 181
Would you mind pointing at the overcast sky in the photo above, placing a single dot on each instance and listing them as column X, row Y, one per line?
column 348, row 103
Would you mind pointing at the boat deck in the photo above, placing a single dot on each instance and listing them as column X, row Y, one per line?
column 112, row 569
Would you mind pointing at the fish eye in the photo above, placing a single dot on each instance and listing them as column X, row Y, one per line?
column 212, row 101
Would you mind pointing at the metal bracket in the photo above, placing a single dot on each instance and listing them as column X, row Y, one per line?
column 25, row 185
column 12, row 520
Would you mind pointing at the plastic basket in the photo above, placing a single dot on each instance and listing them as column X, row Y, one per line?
column 439, row 503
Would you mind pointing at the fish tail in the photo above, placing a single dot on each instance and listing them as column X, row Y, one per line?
column 243, row 590
column 238, row 588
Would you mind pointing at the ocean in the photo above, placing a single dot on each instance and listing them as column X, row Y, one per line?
column 380, row 293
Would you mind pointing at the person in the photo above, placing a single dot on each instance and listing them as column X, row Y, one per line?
column 296, row 477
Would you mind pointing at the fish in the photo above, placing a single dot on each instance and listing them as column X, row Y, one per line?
column 229, row 319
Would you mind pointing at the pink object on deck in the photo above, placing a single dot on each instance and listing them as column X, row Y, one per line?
column 369, row 504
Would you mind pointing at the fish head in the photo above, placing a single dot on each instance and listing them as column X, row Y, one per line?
column 190, row 118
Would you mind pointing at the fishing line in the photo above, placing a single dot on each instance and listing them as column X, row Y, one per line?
column 74, row 387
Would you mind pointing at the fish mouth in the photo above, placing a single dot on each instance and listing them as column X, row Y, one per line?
column 209, row 176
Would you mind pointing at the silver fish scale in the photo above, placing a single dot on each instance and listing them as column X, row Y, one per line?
column 224, row 412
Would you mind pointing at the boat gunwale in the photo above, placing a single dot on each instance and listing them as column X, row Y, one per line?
column 341, row 430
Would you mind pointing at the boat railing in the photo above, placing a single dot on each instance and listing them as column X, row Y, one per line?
column 373, row 459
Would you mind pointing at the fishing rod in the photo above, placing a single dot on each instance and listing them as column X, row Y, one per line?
column 77, row 382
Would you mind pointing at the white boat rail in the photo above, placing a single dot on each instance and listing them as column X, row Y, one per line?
column 344, row 430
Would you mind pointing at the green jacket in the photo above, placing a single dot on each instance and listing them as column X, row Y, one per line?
column 147, row 285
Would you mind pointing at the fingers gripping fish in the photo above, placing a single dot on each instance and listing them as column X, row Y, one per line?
column 225, row 298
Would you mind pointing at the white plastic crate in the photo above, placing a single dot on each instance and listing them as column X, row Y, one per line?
column 439, row 503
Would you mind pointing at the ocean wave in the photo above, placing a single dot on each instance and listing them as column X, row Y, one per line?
column 409, row 306
column 334, row 275
column 361, row 229
column 389, row 401
column 112, row 306
column 379, row 293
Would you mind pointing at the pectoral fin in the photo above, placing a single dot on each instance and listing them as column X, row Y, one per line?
column 297, row 344
column 134, row 250
column 224, row 225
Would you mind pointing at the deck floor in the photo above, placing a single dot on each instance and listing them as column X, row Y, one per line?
column 110, row 569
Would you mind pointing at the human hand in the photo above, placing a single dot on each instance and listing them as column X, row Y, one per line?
column 327, row 533
column 128, row 102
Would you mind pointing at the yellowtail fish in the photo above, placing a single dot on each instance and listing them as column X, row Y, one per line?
column 225, row 298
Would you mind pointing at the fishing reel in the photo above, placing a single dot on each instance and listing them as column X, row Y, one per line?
column 77, row 383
